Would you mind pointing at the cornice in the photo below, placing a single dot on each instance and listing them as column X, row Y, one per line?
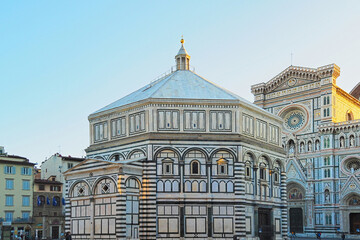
column 331, row 127
column 347, row 95
column 313, row 74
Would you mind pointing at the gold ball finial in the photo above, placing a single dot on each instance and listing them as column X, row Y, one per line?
column 182, row 40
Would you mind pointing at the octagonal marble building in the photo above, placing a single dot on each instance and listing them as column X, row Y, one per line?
column 180, row 158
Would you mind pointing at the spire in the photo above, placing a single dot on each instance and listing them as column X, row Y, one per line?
column 182, row 58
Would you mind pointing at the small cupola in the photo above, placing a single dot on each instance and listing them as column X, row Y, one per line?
column 182, row 58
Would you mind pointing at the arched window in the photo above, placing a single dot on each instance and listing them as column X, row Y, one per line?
column 342, row 142
column 291, row 146
column 327, row 196
column 195, row 167
column 248, row 165
column 105, row 186
column 56, row 201
column 302, row 147
column 352, row 141
column 317, row 145
column 309, row 146
column 263, row 164
column 276, row 172
column 80, row 189
column 40, row 200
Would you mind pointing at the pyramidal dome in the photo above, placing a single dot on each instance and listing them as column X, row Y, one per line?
column 180, row 84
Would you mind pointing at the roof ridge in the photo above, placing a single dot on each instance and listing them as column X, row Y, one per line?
column 163, row 81
column 216, row 85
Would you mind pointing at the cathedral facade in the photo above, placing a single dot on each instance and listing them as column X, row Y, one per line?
column 180, row 158
column 321, row 137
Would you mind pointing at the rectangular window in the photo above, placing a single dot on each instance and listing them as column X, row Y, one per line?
column 248, row 171
column 26, row 171
column 25, row 215
column 9, row 200
column 326, row 161
column 70, row 165
column 194, row 120
column 248, row 124
column 274, row 134
column 25, row 201
column 167, row 168
column 223, row 225
column 137, row 122
column 168, row 120
column 195, row 225
column 168, row 225
column 261, row 129
column 26, row 184
column 9, row 169
column 9, row 216
column 100, row 131
column 42, row 187
column 55, row 188
column 118, row 127
column 9, row 184
column 326, row 112
column 328, row 219
column 327, row 173
column 220, row 121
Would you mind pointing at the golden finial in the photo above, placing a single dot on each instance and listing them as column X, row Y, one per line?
column 182, row 39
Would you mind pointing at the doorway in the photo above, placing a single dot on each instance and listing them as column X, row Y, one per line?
column 355, row 223
column 55, row 232
column 296, row 220
column 265, row 224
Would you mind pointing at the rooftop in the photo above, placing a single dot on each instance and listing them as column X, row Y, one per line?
column 180, row 84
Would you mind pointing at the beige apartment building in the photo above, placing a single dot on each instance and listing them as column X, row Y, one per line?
column 16, row 188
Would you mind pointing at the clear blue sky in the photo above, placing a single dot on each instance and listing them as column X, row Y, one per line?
column 62, row 60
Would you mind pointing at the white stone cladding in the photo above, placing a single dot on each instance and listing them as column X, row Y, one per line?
column 321, row 150
column 189, row 159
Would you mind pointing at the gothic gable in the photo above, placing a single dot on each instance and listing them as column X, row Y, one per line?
column 352, row 185
column 293, row 171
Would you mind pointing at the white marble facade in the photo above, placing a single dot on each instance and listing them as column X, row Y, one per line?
column 323, row 153
column 180, row 158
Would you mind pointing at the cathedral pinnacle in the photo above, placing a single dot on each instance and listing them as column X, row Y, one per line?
column 182, row 58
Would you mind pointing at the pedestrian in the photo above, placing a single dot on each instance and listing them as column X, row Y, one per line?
column 318, row 235
column 68, row 236
column 343, row 236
